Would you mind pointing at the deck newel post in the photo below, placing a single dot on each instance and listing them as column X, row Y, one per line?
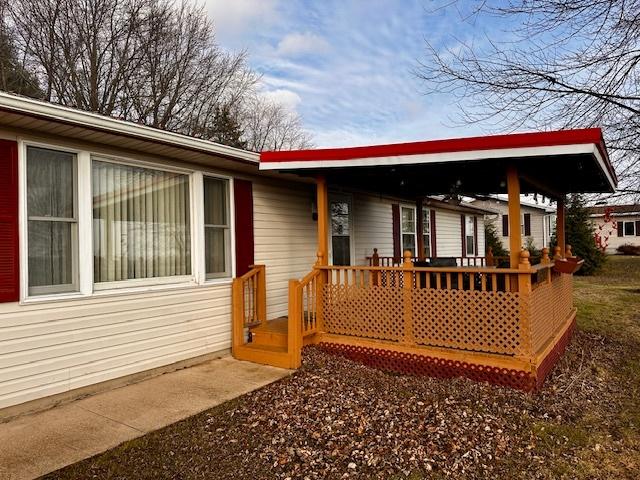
column 322, row 200
column 545, row 260
column 560, row 225
column 294, row 325
column 262, row 294
column 556, row 253
column 524, row 288
column 515, row 235
column 320, row 283
column 375, row 262
column 237, row 315
column 407, row 283
column 568, row 253
column 489, row 259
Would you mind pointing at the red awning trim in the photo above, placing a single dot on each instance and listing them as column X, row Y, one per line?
column 582, row 141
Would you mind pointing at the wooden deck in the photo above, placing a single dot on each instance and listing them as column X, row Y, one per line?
column 506, row 326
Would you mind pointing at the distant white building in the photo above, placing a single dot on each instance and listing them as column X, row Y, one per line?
column 616, row 225
column 537, row 220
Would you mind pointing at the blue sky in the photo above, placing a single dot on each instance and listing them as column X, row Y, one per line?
column 346, row 66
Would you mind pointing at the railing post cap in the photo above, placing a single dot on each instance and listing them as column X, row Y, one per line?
column 407, row 257
column 524, row 258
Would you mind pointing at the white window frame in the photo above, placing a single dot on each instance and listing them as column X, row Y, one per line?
column 84, row 214
column 345, row 198
column 231, row 227
column 415, row 230
column 426, row 220
column 44, row 291
column 624, row 228
column 145, row 282
column 473, row 236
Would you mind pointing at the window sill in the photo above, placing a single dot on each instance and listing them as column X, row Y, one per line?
column 122, row 291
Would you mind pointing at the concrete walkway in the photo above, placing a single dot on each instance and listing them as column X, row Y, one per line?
column 39, row 443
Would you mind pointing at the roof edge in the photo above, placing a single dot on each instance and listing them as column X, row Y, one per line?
column 95, row 121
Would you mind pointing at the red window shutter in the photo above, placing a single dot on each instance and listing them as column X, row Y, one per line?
column 505, row 225
column 395, row 217
column 527, row 224
column 243, row 202
column 621, row 229
column 9, row 248
column 463, row 234
column 432, row 225
column 475, row 235
column 637, row 228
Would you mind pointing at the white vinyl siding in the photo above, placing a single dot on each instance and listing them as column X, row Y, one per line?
column 373, row 227
column 537, row 222
column 285, row 237
column 449, row 235
column 54, row 347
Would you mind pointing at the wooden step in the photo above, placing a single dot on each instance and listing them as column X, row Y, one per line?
column 273, row 333
column 263, row 354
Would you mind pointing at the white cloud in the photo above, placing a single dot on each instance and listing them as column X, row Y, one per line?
column 290, row 100
column 295, row 44
column 234, row 18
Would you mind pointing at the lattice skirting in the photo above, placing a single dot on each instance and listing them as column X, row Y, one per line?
column 416, row 364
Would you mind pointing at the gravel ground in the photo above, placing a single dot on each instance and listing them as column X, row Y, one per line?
column 337, row 419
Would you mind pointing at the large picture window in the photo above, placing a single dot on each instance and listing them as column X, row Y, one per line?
column 217, row 228
column 141, row 223
column 52, row 230
column 408, row 225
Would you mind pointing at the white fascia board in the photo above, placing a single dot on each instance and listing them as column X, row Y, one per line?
column 80, row 118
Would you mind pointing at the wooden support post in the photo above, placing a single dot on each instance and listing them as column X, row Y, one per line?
column 407, row 282
column 545, row 260
column 515, row 235
column 322, row 200
column 524, row 289
column 419, row 229
column 560, row 226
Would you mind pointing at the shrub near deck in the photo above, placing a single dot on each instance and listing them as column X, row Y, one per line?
column 334, row 418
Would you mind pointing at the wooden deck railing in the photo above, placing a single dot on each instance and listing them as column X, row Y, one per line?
column 477, row 309
column 249, row 302
column 376, row 260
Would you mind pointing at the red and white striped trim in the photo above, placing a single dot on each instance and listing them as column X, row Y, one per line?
column 539, row 144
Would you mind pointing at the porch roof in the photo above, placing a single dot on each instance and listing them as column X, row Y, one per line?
column 553, row 163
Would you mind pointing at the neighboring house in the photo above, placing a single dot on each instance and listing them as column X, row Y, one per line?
column 537, row 221
column 119, row 243
column 616, row 225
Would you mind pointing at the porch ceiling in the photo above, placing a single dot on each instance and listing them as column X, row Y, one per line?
column 552, row 163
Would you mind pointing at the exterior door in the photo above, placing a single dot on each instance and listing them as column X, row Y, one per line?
column 341, row 229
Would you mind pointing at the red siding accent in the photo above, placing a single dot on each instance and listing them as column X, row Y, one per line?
column 243, row 201
column 463, row 235
column 434, row 247
column 9, row 247
column 527, row 224
column 395, row 217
